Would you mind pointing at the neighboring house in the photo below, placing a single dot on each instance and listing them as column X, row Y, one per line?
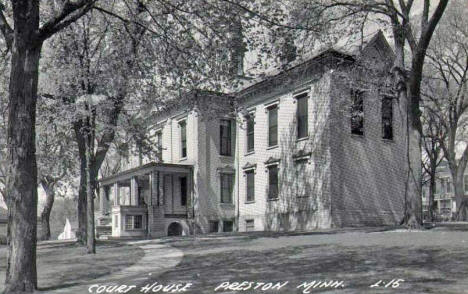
column 303, row 149
column 444, row 196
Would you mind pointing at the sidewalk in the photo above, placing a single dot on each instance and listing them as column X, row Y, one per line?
column 158, row 258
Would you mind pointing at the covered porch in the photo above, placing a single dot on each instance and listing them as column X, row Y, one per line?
column 152, row 200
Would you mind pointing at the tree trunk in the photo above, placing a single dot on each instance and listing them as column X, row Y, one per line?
column 430, row 200
column 82, row 191
column 45, row 215
column 90, row 240
column 413, row 211
column 412, row 216
column 21, row 273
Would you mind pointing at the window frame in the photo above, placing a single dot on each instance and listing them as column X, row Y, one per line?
column 183, row 139
column 249, row 172
column 269, row 194
column 304, row 117
column 250, row 134
column 383, row 117
column 360, row 117
column 228, row 138
column 130, row 222
column 230, row 189
column 159, row 146
column 271, row 108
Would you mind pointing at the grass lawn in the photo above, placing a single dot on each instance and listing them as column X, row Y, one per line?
column 64, row 264
column 434, row 261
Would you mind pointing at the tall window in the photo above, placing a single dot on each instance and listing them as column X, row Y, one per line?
column 227, row 183
column 301, row 116
column 225, row 137
column 250, row 133
column 183, row 191
column 273, row 126
column 387, row 118
column 159, row 144
column 273, row 182
column 250, row 182
column 357, row 112
column 183, row 139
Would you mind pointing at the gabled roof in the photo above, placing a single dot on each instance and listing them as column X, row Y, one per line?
column 332, row 57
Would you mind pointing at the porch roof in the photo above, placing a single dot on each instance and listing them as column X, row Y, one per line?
column 145, row 169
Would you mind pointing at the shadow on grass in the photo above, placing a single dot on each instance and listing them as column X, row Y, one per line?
column 425, row 270
column 62, row 265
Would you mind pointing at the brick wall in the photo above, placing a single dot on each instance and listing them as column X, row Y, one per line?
column 303, row 202
column 368, row 172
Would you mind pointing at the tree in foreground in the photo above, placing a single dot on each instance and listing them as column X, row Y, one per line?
column 446, row 95
column 24, row 38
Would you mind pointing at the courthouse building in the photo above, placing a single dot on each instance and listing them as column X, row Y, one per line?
column 307, row 148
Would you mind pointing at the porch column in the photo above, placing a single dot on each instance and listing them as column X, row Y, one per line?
column 134, row 191
column 154, row 194
column 103, row 199
column 116, row 194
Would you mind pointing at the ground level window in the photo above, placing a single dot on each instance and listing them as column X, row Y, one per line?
column 273, row 182
column 133, row 222
column 228, row 226
column 249, row 225
column 214, row 226
column 227, row 184
column 250, row 181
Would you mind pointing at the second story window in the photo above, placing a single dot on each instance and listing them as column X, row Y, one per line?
column 227, row 184
column 302, row 116
column 250, row 133
column 250, row 183
column 387, row 118
column 357, row 112
column 225, row 137
column 159, row 146
column 183, row 139
column 273, row 126
column 273, row 182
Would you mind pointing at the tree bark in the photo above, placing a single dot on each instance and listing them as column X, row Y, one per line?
column 21, row 273
column 81, row 234
column 90, row 186
column 430, row 200
column 45, row 215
